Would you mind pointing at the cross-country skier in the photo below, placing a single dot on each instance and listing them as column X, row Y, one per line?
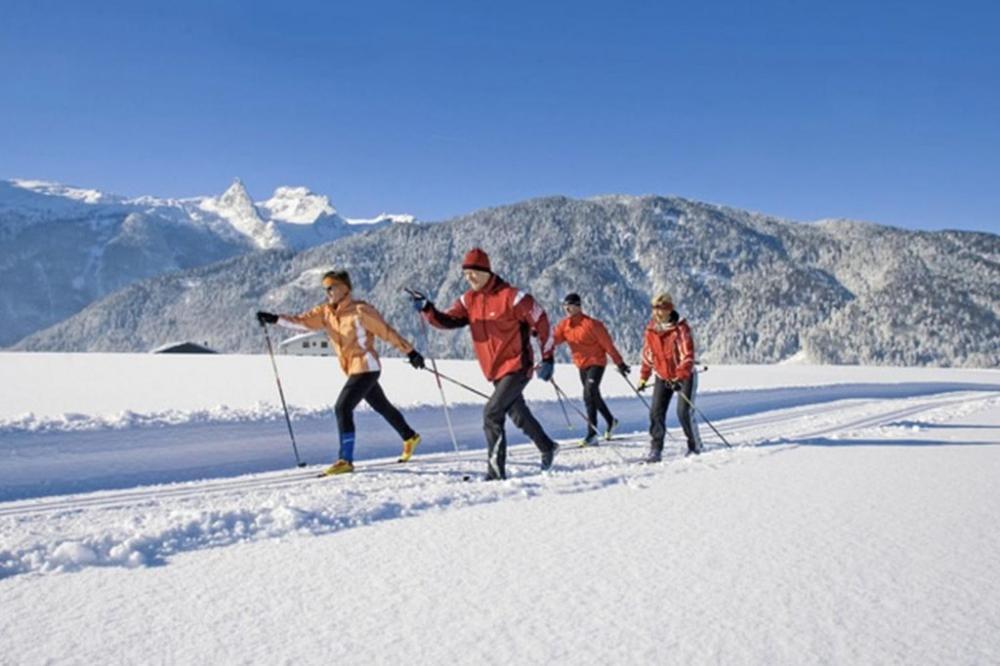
column 668, row 349
column 501, row 319
column 352, row 326
column 590, row 345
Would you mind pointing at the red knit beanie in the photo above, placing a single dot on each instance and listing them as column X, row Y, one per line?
column 477, row 259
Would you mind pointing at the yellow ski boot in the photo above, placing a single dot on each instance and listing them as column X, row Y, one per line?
column 408, row 446
column 339, row 467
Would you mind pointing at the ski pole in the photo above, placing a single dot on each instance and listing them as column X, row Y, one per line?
column 437, row 377
column 576, row 409
column 561, row 404
column 457, row 383
column 416, row 294
column 639, row 395
column 586, row 419
column 270, row 350
column 635, row 390
column 704, row 418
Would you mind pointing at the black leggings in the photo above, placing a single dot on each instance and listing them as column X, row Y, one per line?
column 366, row 387
column 658, row 413
column 591, row 378
column 508, row 401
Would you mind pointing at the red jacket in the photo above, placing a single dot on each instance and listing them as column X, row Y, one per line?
column 588, row 339
column 500, row 318
column 669, row 349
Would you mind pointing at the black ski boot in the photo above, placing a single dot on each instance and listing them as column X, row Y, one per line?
column 548, row 457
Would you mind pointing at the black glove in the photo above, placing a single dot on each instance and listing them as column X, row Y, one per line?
column 643, row 385
column 266, row 318
column 624, row 369
column 675, row 386
column 545, row 369
column 416, row 360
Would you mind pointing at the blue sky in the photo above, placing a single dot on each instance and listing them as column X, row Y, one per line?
column 883, row 111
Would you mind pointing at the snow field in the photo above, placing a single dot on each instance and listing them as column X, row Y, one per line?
column 854, row 522
column 758, row 555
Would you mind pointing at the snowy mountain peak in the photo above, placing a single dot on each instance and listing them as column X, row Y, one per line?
column 236, row 197
column 297, row 205
column 237, row 208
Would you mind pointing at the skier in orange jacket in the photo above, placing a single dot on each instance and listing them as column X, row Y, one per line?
column 590, row 345
column 352, row 327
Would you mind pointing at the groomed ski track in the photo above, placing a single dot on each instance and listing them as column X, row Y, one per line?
column 146, row 525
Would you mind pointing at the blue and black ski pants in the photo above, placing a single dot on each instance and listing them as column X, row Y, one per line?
column 365, row 387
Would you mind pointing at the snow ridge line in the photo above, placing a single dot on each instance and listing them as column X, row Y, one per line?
column 73, row 422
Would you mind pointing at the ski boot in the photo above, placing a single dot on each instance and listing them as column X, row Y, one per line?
column 655, row 455
column 340, row 467
column 408, row 446
column 548, row 457
column 611, row 428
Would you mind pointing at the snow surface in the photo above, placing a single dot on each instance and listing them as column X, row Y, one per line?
column 855, row 521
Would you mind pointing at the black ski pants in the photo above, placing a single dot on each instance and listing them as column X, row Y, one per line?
column 658, row 413
column 591, row 377
column 507, row 399
column 365, row 387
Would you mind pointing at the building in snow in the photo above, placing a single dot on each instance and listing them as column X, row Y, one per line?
column 184, row 348
column 313, row 343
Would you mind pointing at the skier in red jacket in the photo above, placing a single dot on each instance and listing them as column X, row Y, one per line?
column 590, row 344
column 501, row 319
column 668, row 348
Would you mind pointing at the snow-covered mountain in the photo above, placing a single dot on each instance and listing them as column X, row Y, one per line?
column 755, row 288
column 62, row 247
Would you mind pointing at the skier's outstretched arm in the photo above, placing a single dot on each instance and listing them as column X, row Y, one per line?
column 454, row 317
column 310, row 320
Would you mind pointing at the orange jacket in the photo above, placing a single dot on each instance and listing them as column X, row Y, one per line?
column 352, row 327
column 588, row 339
column 669, row 349
column 501, row 319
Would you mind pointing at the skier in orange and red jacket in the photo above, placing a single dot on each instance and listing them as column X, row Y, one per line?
column 501, row 319
column 668, row 348
column 590, row 345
